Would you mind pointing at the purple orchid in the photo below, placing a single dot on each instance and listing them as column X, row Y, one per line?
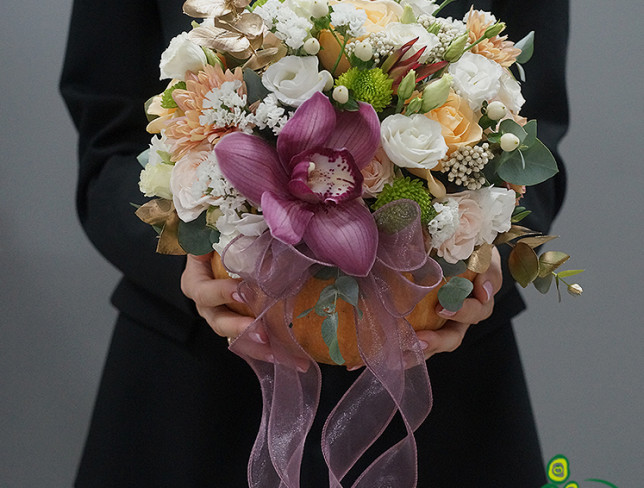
column 309, row 187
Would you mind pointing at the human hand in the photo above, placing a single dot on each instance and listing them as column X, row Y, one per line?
column 211, row 296
column 475, row 309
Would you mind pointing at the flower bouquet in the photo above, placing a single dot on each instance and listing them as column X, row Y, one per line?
column 353, row 162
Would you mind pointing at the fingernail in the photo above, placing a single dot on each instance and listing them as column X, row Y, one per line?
column 446, row 313
column 353, row 368
column 237, row 297
column 257, row 337
column 489, row 290
column 269, row 358
column 423, row 345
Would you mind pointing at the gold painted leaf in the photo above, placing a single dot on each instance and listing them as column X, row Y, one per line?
column 514, row 232
column 524, row 264
column 480, row 259
column 550, row 261
column 169, row 238
column 265, row 57
column 220, row 39
column 204, row 9
column 536, row 241
column 156, row 212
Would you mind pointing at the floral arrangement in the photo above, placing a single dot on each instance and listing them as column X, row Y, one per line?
column 313, row 125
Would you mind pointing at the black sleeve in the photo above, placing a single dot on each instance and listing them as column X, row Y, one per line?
column 110, row 69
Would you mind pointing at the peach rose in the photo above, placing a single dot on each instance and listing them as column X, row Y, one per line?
column 458, row 121
column 377, row 174
column 461, row 244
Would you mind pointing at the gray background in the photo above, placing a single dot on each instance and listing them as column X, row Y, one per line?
column 583, row 357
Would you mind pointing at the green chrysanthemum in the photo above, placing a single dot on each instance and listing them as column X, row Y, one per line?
column 166, row 99
column 412, row 190
column 372, row 86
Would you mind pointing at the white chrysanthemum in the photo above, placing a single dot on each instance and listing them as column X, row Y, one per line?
column 444, row 225
column 269, row 12
column 347, row 15
column 224, row 107
column 270, row 114
column 497, row 205
column 159, row 149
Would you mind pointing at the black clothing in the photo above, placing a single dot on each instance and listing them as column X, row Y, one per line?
column 175, row 408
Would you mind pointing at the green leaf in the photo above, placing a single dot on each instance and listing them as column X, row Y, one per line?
column 521, row 71
column 349, row 291
column 543, row 284
column 255, row 89
column 196, row 237
column 531, row 130
column 519, row 216
column 330, row 336
column 453, row 293
column 549, row 261
column 494, row 137
column 326, row 302
column 486, row 123
column 450, row 269
column 144, row 157
column 523, row 264
column 539, row 162
column 569, row 273
column 527, row 48
column 146, row 106
column 305, row 313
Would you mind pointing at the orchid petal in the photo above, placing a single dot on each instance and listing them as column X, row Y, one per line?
column 251, row 165
column 345, row 235
column 358, row 132
column 310, row 126
column 286, row 218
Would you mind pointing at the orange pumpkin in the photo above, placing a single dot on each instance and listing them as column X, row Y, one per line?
column 307, row 330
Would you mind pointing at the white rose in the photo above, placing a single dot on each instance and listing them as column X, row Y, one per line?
column 413, row 142
column 476, row 78
column 421, row 7
column 294, row 79
column 154, row 180
column 510, row 92
column 497, row 205
column 180, row 56
column 400, row 34
column 188, row 191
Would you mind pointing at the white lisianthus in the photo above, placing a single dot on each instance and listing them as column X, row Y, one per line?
column 154, row 180
column 488, row 16
column 180, row 56
column 421, row 7
column 159, row 150
column 510, row 92
column 400, row 34
column 412, row 142
column 308, row 8
column 476, row 78
column 294, row 79
column 497, row 205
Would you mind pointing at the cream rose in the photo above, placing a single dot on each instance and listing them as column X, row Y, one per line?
column 400, row 34
column 476, row 78
column 458, row 122
column 180, row 56
column 155, row 180
column 294, row 79
column 189, row 191
column 380, row 13
column 377, row 174
column 412, row 142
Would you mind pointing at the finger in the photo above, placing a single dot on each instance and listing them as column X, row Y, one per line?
column 446, row 339
column 225, row 322
column 472, row 311
column 198, row 284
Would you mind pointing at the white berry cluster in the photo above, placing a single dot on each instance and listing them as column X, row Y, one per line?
column 465, row 165
column 381, row 45
column 449, row 30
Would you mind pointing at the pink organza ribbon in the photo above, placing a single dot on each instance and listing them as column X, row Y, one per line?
column 395, row 378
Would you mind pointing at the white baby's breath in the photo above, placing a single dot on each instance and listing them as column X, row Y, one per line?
column 224, row 107
column 270, row 114
column 444, row 225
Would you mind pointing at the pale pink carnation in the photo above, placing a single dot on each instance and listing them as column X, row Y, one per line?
column 377, row 174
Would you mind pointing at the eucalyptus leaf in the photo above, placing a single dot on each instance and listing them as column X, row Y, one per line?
column 539, row 162
column 549, row 261
column 450, row 269
column 531, row 130
column 523, row 264
column 326, row 302
column 305, row 313
column 543, row 284
column 348, row 289
column 453, row 293
column 326, row 273
column 255, row 89
column 527, row 48
column 494, row 137
column 144, row 157
column 330, row 336
column 196, row 237
column 521, row 71
column 509, row 126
